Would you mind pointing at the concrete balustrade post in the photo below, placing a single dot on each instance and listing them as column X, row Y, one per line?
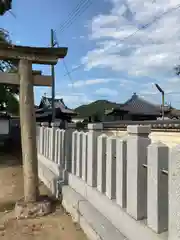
column 94, row 131
column 101, row 163
column 137, row 143
column 157, row 195
column 79, row 154
column 42, row 138
column 174, row 193
column 68, row 149
column 74, row 151
column 54, row 127
column 111, row 168
column 84, row 156
column 121, row 172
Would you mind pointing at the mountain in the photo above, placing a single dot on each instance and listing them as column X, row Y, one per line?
column 96, row 108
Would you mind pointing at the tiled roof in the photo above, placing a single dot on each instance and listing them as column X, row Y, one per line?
column 137, row 105
column 59, row 104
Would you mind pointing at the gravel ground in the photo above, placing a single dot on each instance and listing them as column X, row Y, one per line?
column 58, row 225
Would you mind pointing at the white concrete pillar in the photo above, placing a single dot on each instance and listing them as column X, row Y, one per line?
column 94, row 131
column 56, row 145
column 157, row 194
column 42, row 136
column 74, row 151
column 174, row 194
column 68, row 149
column 137, row 142
column 62, row 148
column 111, row 168
column 53, row 129
column 101, row 163
column 58, row 156
column 46, row 139
column 121, row 172
column 79, row 154
column 48, row 147
column 84, row 156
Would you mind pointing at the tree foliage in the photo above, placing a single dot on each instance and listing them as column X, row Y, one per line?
column 5, row 5
column 8, row 93
column 95, row 110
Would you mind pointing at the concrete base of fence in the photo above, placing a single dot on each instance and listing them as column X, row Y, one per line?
column 94, row 224
column 118, row 217
column 99, row 217
column 49, row 174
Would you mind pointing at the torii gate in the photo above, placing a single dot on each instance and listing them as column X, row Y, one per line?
column 26, row 57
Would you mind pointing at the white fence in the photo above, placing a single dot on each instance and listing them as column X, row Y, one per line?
column 134, row 183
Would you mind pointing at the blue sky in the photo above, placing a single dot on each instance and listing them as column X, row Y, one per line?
column 111, row 68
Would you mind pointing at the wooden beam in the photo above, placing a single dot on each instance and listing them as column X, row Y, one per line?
column 13, row 78
column 36, row 72
column 36, row 55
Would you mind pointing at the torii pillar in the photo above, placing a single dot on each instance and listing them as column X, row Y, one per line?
column 26, row 57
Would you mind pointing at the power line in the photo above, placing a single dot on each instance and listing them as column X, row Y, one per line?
column 67, row 71
column 80, row 8
column 56, row 43
column 132, row 34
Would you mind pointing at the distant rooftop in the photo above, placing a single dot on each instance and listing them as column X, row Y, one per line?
column 138, row 105
column 46, row 103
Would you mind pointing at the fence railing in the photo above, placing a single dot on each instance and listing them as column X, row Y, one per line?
column 157, row 125
column 138, row 177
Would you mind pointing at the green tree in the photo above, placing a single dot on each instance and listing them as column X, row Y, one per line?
column 5, row 5
column 8, row 93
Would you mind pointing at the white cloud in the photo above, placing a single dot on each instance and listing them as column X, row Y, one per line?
column 153, row 51
column 82, row 83
column 127, row 84
column 105, row 92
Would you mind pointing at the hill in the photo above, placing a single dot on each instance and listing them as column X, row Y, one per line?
column 96, row 108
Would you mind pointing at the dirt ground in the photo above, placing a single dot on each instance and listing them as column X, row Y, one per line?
column 58, row 225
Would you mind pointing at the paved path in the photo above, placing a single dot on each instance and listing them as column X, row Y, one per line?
column 57, row 226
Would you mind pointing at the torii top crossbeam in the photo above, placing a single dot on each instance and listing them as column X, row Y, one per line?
column 37, row 55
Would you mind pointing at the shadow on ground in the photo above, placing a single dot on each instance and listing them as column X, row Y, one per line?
column 9, row 150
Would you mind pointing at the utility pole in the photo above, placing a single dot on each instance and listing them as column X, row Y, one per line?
column 53, row 78
column 162, row 94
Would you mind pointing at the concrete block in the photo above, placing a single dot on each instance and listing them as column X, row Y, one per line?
column 95, row 126
column 93, row 223
column 74, row 151
column 92, row 158
column 157, row 194
column 137, row 176
column 101, row 163
column 139, row 129
column 84, row 156
column 111, row 168
column 174, row 193
column 79, row 154
column 121, row 172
